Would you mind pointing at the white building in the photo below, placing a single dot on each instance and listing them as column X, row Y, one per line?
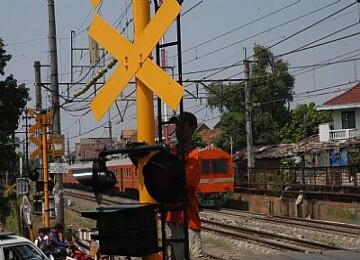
column 346, row 116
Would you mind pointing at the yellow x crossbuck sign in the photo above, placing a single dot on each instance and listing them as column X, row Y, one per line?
column 134, row 59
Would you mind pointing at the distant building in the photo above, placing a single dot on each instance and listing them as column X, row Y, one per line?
column 206, row 134
column 310, row 152
column 89, row 148
column 338, row 143
column 127, row 136
column 346, row 116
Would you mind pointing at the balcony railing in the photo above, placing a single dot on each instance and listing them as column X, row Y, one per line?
column 344, row 134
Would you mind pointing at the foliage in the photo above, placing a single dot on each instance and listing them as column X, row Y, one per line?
column 271, row 91
column 304, row 122
column 5, row 209
column 13, row 98
column 197, row 141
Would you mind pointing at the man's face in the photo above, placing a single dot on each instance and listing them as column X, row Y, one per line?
column 41, row 234
column 184, row 131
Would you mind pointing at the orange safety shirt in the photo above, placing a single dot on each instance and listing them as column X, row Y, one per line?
column 192, row 175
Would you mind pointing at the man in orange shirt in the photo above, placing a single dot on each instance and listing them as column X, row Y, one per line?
column 186, row 123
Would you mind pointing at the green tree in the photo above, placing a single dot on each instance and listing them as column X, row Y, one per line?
column 13, row 98
column 198, row 141
column 304, row 122
column 271, row 91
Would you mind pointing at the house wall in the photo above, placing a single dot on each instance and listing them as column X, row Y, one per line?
column 346, row 212
column 338, row 122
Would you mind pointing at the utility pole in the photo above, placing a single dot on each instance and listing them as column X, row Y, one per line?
column 27, row 140
column 45, row 167
column 37, row 69
column 59, row 195
column 248, row 115
column 68, row 147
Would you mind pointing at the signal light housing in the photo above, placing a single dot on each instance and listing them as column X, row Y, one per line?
column 164, row 177
column 102, row 178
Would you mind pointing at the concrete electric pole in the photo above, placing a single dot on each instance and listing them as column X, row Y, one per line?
column 58, row 196
column 248, row 116
column 37, row 69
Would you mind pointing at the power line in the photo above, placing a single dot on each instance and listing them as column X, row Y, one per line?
column 241, row 27
column 259, row 33
column 326, row 88
column 303, row 71
column 192, row 8
column 323, row 64
column 311, row 25
column 328, row 35
column 318, row 45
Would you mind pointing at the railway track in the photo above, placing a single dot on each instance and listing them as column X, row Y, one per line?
column 268, row 239
column 317, row 225
column 273, row 240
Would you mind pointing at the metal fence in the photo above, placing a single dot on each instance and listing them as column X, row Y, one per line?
column 314, row 178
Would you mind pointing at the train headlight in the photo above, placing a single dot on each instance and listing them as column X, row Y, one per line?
column 164, row 177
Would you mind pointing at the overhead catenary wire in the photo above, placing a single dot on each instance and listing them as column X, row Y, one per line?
column 312, row 25
column 260, row 33
column 240, row 27
column 296, row 33
column 343, row 55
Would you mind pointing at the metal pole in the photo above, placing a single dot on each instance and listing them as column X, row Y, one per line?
column 26, row 141
column 68, row 148
column 179, row 53
column 248, row 108
column 37, row 68
column 59, row 196
column 144, row 102
column 45, row 170
column 159, row 102
column 110, row 130
column 144, row 96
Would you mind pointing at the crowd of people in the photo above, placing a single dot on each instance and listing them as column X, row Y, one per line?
column 54, row 246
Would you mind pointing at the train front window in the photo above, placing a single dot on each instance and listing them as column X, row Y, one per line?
column 214, row 166
column 219, row 166
column 205, row 166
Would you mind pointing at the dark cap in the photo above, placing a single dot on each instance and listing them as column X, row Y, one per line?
column 188, row 117
column 59, row 226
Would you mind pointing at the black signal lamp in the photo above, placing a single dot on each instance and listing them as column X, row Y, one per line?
column 34, row 175
column 39, row 186
column 164, row 177
column 102, row 178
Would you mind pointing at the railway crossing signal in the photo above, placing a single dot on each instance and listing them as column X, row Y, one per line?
column 55, row 143
column 42, row 122
column 135, row 60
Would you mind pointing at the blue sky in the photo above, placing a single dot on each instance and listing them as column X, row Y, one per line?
column 24, row 27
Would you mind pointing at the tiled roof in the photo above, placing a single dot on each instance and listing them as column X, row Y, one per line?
column 351, row 96
column 208, row 135
column 127, row 133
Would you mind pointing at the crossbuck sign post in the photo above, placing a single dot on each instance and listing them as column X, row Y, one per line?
column 134, row 57
column 135, row 61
